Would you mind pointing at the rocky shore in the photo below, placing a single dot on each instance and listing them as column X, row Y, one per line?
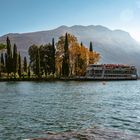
column 91, row 134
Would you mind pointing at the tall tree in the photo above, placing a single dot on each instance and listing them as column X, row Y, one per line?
column 81, row 44
column 92, row 55
column 6, row 67
column 33, row 53
column 25, row 65
column 15, row 59
column 53, row 57
column 47, row 58
column 2, row 63
column 29, row 73
column 9, row 56
column 79, row 53
column 2, row 59
column 19, row 65
column 65, row 63
column 38, row 63
column 90, row 47
column 60, row 51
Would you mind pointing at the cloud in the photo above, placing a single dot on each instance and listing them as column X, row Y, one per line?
column 127, row 15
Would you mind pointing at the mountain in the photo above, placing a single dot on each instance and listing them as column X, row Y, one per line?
column 115, row 46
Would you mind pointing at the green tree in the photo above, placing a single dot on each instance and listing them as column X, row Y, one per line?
column 38, row 63
column 65, row 63
column 2, row 59
column 59, row 55
column 15, row 59
column 81, row 44
column 2, row 63
column 90, row 47
column 9, row 56
column 25, row 65
column 29, row 72
column 47, row 59
column 19, row 65
column 53, row 57
column 32, row 55
column 6, row 67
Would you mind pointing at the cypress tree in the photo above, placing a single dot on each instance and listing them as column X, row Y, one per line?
column 2, row 63
column 33, row 53
column 19, row 65
column 90, row 47
column 6, row 63
column 2, row 59
column 0, row 68
column 9, row 56
column 65, row 63
column 15, row 59
column 48, row 63
column 29, row 73
column 38, row 63
column 81, row 44
column 9, row 52
column 25, row 65
column 53, row 56
column 91, row 56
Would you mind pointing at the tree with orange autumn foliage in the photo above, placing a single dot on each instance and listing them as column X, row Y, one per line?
column 60, row 51
column 79, row 56
column 78, row 59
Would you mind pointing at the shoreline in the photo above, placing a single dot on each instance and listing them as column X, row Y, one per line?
column 63, row 79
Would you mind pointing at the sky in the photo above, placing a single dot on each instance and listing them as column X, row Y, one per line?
column 19, row 16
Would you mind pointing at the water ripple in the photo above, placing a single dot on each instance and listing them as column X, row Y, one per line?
column 29, row 108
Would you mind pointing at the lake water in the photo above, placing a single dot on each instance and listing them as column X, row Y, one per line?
column 29, row 109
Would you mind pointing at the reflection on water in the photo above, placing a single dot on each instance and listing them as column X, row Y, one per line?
column 29, row 109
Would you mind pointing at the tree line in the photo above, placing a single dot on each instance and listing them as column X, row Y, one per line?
column 65, row 58
column 11, row 61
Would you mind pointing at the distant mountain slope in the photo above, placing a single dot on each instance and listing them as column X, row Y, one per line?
column 115, row 46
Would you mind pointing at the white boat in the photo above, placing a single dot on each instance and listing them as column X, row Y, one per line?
column 111, row 72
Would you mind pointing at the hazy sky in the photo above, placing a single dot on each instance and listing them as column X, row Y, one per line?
column 19, row 16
